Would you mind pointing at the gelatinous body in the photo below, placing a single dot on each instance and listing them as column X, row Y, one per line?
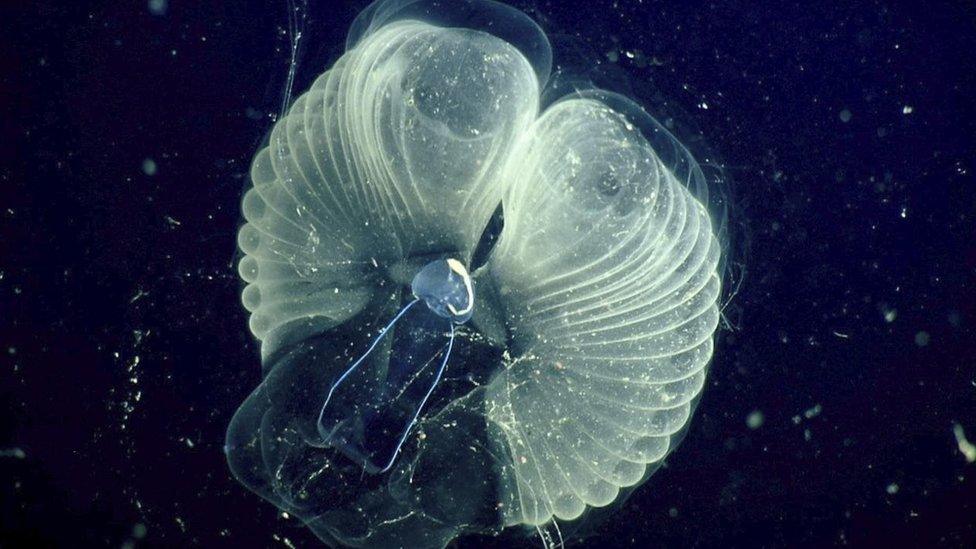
column 399, row 407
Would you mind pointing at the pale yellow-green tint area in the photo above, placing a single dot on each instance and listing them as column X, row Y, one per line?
column 606, row 269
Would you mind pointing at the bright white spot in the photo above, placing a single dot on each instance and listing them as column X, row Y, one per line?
column 907, row 109
column 892, row 489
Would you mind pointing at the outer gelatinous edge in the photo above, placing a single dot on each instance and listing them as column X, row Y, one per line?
column 503, row 21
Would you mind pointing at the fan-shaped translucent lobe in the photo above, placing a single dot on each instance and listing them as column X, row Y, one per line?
column 629, row 392
column 425, row 116
column 297, row 277
column 608, row 462
column 648, row 369
column 393, row 152
column 606, row 268
column 565, row 457
column 650, row 294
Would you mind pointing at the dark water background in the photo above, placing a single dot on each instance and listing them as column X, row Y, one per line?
column 848, row 130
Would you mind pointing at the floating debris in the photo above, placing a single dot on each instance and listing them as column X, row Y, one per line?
column 755, row 420
column 284, row 541
column 15, row 453
column 890, row 315
column 845, row 115
column 967, row 448
column 139, row 295
column 158, row 7
column 813, row 412
column 892, row 488
column 922, row 338
column 149, row 167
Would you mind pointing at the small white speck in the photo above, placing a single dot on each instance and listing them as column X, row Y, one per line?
column 845, row 115
column 149, row 167
column 907, row 109
column 892, row 489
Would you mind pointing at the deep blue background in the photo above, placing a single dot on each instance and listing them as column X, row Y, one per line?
column 108, row 275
